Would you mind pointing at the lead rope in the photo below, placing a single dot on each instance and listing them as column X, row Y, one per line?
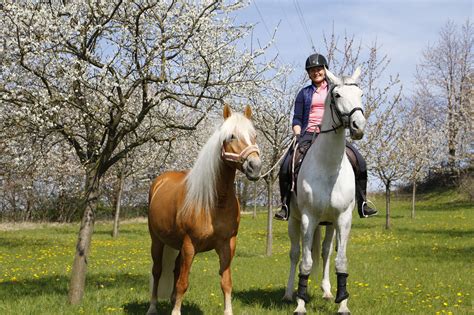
column 279, row 160
column 293, row 168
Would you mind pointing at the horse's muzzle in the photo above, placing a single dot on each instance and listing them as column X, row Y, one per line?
column 356, row 134
column 357, row 126
column 251, row 167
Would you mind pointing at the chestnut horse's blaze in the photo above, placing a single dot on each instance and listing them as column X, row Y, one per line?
column 197, row 210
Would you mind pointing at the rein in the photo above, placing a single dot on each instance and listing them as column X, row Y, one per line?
column 342, row 122
column 239, row 158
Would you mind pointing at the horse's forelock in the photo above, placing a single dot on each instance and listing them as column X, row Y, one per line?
column 239, row 126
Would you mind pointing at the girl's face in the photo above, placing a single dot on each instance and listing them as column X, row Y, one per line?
column 317, row 74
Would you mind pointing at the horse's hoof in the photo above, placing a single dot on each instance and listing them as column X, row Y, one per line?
column 287, row 299
column 328, row 297
column 344, row 313
column 299, row 313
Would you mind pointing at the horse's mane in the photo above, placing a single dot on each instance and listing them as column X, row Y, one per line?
column 201, row 181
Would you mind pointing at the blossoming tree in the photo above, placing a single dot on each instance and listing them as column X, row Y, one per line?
column 109, row 76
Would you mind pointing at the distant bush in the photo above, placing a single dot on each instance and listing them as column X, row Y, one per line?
column 442, row 179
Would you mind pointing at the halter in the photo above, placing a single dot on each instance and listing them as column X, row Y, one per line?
column 242, row 157
column 344, row 118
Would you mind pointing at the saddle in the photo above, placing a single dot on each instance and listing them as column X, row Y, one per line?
column 299, row 154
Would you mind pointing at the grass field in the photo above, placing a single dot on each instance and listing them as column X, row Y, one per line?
column 420, row 266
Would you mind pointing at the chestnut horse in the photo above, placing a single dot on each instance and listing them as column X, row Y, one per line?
column 196, row 211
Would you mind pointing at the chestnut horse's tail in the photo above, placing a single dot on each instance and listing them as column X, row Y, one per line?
column 166, row 282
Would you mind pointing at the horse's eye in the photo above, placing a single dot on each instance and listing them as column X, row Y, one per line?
column 337, row 95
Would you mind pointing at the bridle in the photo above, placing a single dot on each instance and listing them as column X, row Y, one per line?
column 242, row 156
column 344, row 118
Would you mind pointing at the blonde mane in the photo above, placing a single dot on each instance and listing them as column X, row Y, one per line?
column 201, row 181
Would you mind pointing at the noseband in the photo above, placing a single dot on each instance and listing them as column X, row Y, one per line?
column 344, row 118
column 242, row 157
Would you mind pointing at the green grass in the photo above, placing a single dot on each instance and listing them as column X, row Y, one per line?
column 420, row 266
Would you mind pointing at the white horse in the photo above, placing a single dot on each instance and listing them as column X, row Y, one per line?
column 326, row 193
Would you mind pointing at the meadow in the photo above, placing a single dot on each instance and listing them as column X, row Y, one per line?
column 419, row 266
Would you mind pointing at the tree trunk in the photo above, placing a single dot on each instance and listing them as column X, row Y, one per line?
column 79, row 267
column 118, row 203
column 255, row 200
column 244, row 195
column 413, row 200
column 387, row 205
column 270, row 216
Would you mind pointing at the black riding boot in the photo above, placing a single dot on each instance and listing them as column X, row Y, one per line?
column 284, row 180
column 361, row 195
column 284, row 213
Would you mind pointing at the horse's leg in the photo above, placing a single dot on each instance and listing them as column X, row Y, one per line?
column 343, row 229
column 308, row 226
column 157, row 256
column 294, row 234
column 177, row 267
column 187, row 255
column 226, row 252
column 316, row 253
column 326, row 254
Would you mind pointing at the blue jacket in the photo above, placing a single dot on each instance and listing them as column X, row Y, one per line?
column 303, row 106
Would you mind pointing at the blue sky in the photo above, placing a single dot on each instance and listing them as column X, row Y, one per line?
column 401, row 28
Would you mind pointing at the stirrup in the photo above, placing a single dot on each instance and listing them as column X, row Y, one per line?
column 279, row 216
column 372, row 205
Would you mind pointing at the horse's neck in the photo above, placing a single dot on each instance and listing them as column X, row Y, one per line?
column 225, row 184
column 330, row 146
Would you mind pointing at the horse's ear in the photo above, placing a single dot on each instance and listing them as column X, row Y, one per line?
column 335, row 80
column 227, row 111
column 356, row 74
column 248, row 112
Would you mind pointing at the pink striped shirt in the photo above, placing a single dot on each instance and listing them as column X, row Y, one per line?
column 317, row 107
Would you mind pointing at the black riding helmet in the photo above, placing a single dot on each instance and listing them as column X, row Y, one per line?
column 316, row 60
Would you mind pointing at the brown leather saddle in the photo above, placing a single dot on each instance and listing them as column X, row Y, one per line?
column 299, row 154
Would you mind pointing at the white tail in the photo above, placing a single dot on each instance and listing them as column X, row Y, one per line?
column 166, row 282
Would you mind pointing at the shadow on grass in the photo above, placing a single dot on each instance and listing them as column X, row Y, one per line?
column 59, row 285
column 121, row 232
column 267, row 298
column 162, row 307
column 10, row 290
column 441, row 253
column 445, row 232
column 9, row 242
column 272, row 299
column 445, row 206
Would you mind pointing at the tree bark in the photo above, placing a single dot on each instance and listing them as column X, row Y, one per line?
column 244, row 195
column 270, row 216
column 413, row 200
column 79, row 267
column 254, row 200
column 387, row 205
column 118, row 203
